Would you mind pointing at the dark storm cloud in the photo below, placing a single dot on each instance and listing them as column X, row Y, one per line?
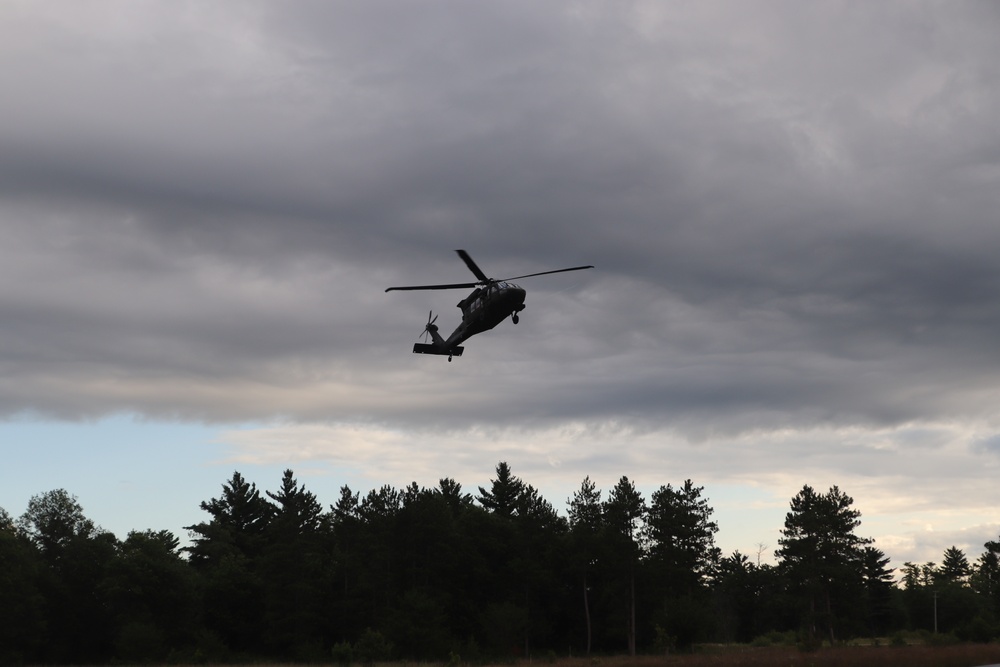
column 791, row 208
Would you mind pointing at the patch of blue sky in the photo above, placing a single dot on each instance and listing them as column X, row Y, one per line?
column 130, row 473
column 127, row 473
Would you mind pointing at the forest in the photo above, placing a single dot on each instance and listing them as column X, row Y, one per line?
column 443, row 574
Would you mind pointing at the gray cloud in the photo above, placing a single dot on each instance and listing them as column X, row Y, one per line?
column 792, row 211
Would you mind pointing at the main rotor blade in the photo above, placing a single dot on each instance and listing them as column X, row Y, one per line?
column 416, row 287
column 472, row 266
column 542, row 273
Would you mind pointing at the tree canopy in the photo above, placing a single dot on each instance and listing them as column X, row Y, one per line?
column 418, row 573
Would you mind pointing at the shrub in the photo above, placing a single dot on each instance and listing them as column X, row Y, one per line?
column 342, row 653
column 980, row 629
column 372, row 647
column 942, row 639
column 810, row 644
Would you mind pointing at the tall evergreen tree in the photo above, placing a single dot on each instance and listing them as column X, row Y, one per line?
column 295, row 572
column 743, row 592
column 226, row 551
column 624, row 511
column 297, row 512
column 955, row 568
column 505, row 490
column 239, row 518
column 586, row 526
column 378, row 512
column 820, row 552
column 682, row 556
column 536, row 562
column 878, row 584
column 680, row 537
column 985, row 578
column 348, row 536
column 451, row 492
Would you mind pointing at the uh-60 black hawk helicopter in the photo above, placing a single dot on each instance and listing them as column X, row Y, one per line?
column 489, row 304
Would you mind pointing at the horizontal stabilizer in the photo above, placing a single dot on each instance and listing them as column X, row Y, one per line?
column 425, row 348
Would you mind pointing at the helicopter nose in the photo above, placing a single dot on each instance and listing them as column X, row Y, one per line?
column 515, row 294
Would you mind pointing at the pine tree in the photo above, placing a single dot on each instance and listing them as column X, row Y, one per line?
column 624, row 511
column 505, row 490
column 226, row 552
column 985, row 578
column 585, row 533
column 878, row 584
column 680, row 536
column 954, row 568
column 294, row 568
column 819, row 551
column 297, row 511
column 239, row 518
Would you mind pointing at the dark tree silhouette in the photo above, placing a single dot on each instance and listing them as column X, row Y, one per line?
column 624, row 511
column 226, row 552
column 820, row 553
column 682, row 557
column 52, row 520
column 505, row 490
column 955, row 568
column 877, row 579
column 22, row 602
column 586, row 526
column 295, row 572
column 430, row 574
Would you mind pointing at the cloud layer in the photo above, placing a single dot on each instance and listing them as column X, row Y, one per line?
column 792, row 211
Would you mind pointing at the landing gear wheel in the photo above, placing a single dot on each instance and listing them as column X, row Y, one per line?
column 515, row 318
column 449, row 358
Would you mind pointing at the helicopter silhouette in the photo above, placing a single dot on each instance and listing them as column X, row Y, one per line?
column 489, row 304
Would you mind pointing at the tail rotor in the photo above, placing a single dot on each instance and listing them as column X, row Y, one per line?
column 430, row 327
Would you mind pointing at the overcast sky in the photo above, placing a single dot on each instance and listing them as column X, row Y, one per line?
column 792, row 209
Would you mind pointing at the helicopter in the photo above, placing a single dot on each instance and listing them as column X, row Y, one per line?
column 489, row 304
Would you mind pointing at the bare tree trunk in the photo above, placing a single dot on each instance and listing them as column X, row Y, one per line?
column 829, row 617
column 586, row 609
column 631, row 625
column 812, row 616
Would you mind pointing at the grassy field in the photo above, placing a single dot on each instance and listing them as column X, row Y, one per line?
column 962, row 655
column 968, row 655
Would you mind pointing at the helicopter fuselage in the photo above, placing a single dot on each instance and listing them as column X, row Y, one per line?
column 485, row 308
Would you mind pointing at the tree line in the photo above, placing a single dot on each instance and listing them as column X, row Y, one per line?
column 438, row 573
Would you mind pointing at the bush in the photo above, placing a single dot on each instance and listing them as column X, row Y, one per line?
column 980, row 629
column 342, row 653
column 942, row 639
column 810, row 644
column 372, row 647
column 140, row 642
column 775, row 638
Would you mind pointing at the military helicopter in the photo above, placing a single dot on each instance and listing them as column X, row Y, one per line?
column 489, row 304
